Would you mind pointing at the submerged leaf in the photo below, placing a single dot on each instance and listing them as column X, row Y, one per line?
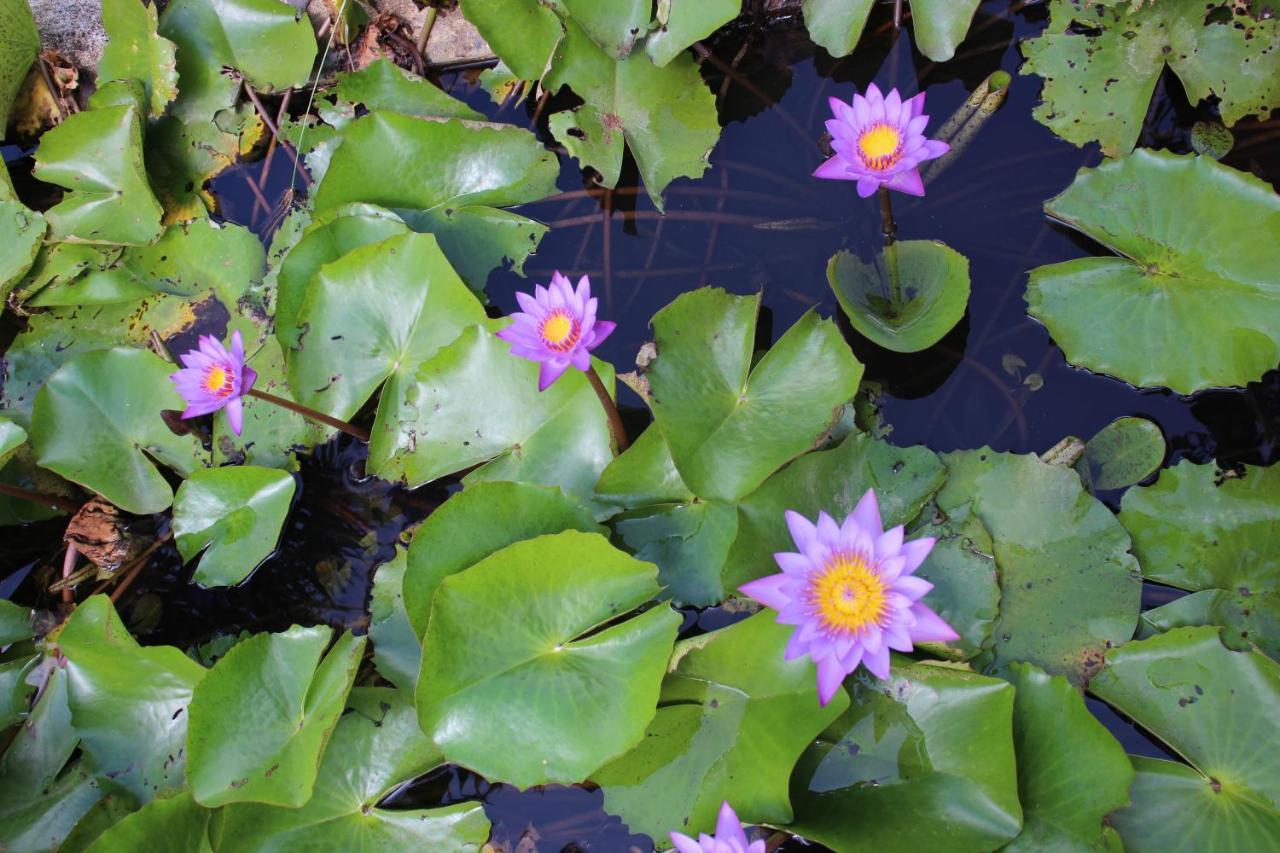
column 1193, row 301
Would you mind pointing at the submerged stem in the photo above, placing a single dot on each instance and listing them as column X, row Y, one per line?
column 616, row 428
column 53, row 501
column 306, row 412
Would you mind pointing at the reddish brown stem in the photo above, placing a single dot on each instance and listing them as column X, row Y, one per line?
column 68, row 566
column 616, row 429
column 53, row 501
column 307, row 412
column 275, row 133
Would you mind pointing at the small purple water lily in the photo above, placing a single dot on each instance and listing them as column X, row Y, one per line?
column 214, row 378
column 852, row 594
column 879, row 141
column 729, row 837
column 557, row 328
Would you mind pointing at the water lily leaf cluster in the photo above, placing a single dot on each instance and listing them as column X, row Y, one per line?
column 1101, row 60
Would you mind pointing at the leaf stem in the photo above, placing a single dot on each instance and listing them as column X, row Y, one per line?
column 616, row 428
column 889, row 230
column 275, row 132
column 53, row 501
column 897, row 14
column 307, row 412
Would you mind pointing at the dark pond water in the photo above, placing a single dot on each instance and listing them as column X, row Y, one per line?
column 755, row 222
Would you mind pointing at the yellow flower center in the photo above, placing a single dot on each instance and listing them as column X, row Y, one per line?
column 848, row 593
column 880, row 146
column 218, row 381
column 560, row 331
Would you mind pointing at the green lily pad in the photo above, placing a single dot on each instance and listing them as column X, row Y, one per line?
column 376, row 747
column 1211, row 139
column 733, row 719
column 15, row 621
column 642, row 475
column 128, row 703
column 1124, row 452
column 371, row 318
column 687, row 541
column 1101, row 61
column 939, row 25
column 1071, row 772
column 556, row 694
column 178, row 819
column 1190, row 304
column 22, row 231
column 183, row 155
column 831, row 481
column 966, row 583
column 908, row 298
column 1217, row 537
column 236, row 514
column 523, row 32
column 682, row 22
column 477, row 522
column 613, row 25
column 397, row 651
column 666, row 116
column 97, row 156
column 451, row 163
column 241, row 749
column 12, row 437
column 264, row 40
column 19, row 47
column 136, row 51
column 97, row 422
column 1215, row 708
column 1069, row 588
column 730, row 424
column 474, row 403
column 383, row 85
column 924, row 761
column 478, row 239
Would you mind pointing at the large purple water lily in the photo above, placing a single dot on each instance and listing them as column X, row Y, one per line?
column 213, row 378
column 729, row 837
column 879, row 141
column 851, row 593
column 557, row 328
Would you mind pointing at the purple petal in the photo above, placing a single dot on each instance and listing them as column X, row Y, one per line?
column 893, row 106
column 873, row 95
column 867, row 186
column 867, row 513
column 908, row 182
column 840, row 130
column 550, row 372
column 237, row 347
column 830, row 675
column 917, row 105
column 915, row 551
column 685, row 844
column 797, row 647
column 842, row 111
column 581, row 359
column 828, row 531
column 877, row 663
column 768, row 590
column 248, row 376
column 834, row 169
column 728, row 827
column 862, row 110
column 602, row 330
column 803, row 533
column 795, row 565
column 889, row 543
column 891, row 568
column 529, row 305
column 934, row 148
column 929, row 627
column 235, row 415
column 912, row 587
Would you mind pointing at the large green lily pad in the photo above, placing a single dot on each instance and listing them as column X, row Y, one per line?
column 242, row 749
column 1218, row 537
column 523, row 32
column 97, row 155
column 680, row 23
column 19, row 46
column 1193, row 301
column 1069, row 588
column 831, row 481
column 1101, row 63
column 178, row 819
column 97, row 422
column 924, row 761
column 472, row 525
column 907, row 298
column 556, row 694
column 135, row 51
column 1071, row 772
column 1216, row 708
column 729, row 423
column 128, row 703
column 376, row 746
column 234, row 516
column 939, row 25
column 732, row 721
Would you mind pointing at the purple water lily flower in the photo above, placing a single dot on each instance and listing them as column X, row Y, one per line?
column 214, row 378
column 879, row 141
column 852, row 594
column 729, row 837
column 557, row 328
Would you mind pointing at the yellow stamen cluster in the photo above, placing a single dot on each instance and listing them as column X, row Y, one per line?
column 880, row 146
column 848, row 594
column 559, row 331
column 218, row 381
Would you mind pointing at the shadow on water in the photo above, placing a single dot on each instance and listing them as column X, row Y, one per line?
column 755, row 222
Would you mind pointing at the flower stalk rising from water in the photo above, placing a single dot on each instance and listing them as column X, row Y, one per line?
column 851, row 592
column 879, row 141
column 214, row 377
column 558, row 328
column 729, row 837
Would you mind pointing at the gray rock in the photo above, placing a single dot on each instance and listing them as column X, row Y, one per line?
column 73, row 28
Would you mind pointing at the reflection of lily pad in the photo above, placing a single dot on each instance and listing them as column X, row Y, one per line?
column 1215, row 708
column 1218, row 538
column 1193, row 301
column 907, row 298
column 1101, row 62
